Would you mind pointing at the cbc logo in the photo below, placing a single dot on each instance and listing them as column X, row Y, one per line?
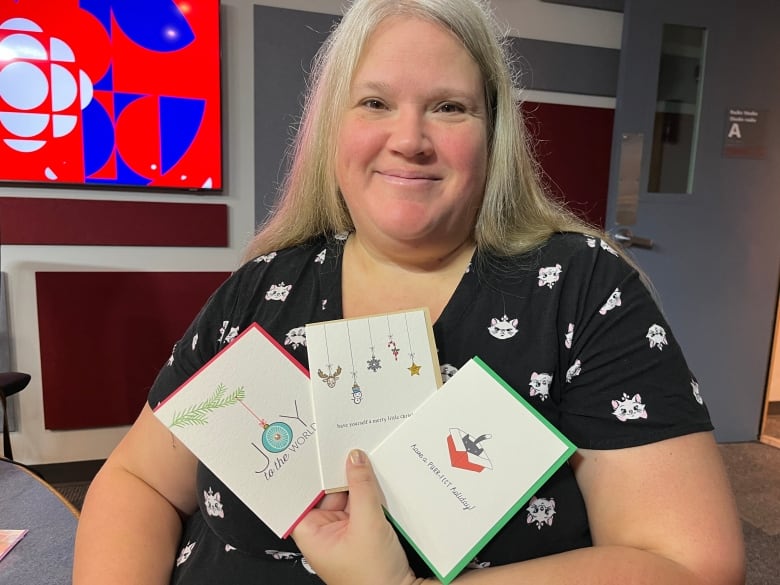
column 37, row 89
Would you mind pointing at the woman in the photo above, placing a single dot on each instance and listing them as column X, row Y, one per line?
column 412, row 185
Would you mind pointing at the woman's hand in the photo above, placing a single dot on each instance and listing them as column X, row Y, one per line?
column 348, row 541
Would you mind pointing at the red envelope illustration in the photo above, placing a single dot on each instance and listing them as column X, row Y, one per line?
column 466, row 453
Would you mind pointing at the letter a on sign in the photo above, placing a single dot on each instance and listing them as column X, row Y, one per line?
column 734, row 131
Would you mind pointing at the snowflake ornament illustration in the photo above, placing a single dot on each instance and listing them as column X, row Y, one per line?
column 374, row 364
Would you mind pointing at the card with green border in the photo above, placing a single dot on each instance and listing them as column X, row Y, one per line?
column 468, row 460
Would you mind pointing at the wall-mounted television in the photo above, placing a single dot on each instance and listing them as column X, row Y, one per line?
column 111, row 93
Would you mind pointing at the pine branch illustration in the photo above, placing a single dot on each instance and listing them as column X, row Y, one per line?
column 198, row 413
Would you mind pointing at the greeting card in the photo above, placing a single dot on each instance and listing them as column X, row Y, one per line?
column 473, row 454
column 247, row 415
column 368, row 375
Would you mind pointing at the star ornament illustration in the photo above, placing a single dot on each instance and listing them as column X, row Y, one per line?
column 414, row 369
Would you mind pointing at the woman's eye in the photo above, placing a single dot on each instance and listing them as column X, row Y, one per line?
column 373, row 104
column 451, row 108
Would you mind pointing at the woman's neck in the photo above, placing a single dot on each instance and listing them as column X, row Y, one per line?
column 375, row 282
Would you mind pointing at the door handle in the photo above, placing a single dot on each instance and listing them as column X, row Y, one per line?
column 627, row 239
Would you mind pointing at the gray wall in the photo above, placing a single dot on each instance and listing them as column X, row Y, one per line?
column 287, row 40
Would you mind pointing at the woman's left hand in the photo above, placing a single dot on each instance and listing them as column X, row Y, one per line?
column 348, row 541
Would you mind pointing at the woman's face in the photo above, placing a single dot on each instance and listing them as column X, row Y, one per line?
column 412, row 147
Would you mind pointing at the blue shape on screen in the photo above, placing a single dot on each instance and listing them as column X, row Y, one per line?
column 124, row 176
column 180, row 119
column 106, row 83
column 157, row 25
column 127, row 176
column 98, row 137
column 100, row 9
column 122, row 100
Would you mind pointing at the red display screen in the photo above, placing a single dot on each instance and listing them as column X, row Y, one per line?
column 115, row 93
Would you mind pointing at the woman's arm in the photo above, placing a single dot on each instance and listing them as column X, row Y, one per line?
column 131, row 521
column 659, row 513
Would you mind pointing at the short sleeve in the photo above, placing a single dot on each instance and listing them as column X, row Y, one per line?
column 205, row 336
column 625, row 379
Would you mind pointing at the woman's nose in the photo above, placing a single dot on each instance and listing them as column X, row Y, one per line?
column 409, row 135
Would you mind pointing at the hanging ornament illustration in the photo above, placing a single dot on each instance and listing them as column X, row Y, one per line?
column 357, row 393
column 414, row 369
column 374, row 364
column 331, row 377
column 391, row 344
column 276, row 436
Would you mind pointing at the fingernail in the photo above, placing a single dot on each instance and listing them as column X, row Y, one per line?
column 357, row 457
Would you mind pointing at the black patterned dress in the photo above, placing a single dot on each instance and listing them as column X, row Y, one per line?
column 570, row 326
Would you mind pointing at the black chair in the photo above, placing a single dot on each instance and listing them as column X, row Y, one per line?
column 10, row 384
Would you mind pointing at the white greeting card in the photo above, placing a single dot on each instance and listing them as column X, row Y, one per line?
column 368, row 375
column 247, row 415
column 456, row 472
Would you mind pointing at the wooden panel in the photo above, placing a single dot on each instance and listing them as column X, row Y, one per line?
column 89, row 222
column 105, row 335
column 574, row 145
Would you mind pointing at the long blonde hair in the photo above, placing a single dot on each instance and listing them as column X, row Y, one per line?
column 517, row 214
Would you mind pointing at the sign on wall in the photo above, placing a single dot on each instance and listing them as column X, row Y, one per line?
column 745, row 133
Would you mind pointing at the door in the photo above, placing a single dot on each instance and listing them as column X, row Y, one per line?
column 715, row 229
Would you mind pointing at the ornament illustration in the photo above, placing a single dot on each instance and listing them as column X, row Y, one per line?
column 466, row 452
column 331, row 377
column 391, row 344
column 414, row 369
column 277, row 436
column 357, row 393
column 374, row 364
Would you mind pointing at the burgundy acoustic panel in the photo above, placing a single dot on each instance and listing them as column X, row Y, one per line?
column 573, row 145
column 89, row 222
column 105, row 335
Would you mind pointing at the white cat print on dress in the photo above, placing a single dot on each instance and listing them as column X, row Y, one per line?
column 503, row 328
column 608, row 248
column 213, row 503
column 320, row 259
column 591, row 241
column 549, row 275
column 296, row 337
column 265, row 258
column 278, row 292
column 696, row 392
column 573, row 371
column 540, row 385
column 194, row 341
column 657, row 337
column 569, row 336
column 629, row 408
column 185, row 553
column 540, row 511
column 612, row 302
column 447, row 371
